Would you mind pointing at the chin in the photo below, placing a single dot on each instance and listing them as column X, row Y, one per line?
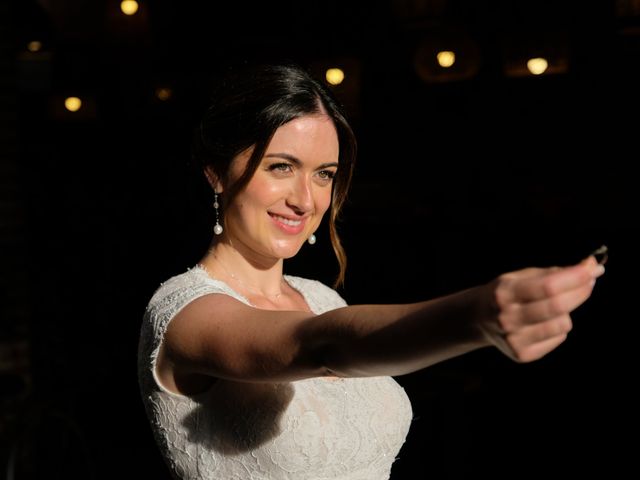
column 287, row 251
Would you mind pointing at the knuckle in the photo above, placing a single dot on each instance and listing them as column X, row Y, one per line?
column 552, row 329
column 524, row 355
column 548, row 287
column 501, row 293
column 507, row 317
column 503, row 321
column 558, row 327
column 560, row 339
column 586, row 276
column 518, row 349
column 556, row 306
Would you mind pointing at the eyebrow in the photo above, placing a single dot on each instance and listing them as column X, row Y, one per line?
column 298, row 162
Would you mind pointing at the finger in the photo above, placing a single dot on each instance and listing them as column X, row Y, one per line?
column 530, row 272
column 540, row 332
column 556, row 282
column 539, row 350
column 506, row 294
column 519, row 314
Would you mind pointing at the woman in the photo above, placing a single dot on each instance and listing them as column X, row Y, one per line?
column 247, row 373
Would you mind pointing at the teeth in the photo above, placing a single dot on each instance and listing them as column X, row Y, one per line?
column 286, row 221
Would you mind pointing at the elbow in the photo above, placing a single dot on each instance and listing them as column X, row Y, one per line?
column 323, row 344
column 331, row 343
column 319, row 359
column 336, row 357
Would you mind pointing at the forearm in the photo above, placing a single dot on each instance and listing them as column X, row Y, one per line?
column 372, row 340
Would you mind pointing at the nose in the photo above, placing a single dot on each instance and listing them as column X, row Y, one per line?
column 300, row 197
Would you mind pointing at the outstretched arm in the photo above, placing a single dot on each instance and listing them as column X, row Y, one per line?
column 525, row 314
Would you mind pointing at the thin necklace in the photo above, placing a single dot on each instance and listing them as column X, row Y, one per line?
column 245, row 285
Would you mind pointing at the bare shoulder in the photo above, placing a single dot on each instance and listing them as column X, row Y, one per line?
column 177, row 363
column 202, row 317
column 220, row 318
column 213, row 306
column 219, row 336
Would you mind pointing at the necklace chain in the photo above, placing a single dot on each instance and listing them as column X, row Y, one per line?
column 245, row 285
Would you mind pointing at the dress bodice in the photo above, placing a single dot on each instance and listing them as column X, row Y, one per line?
column 316, row 428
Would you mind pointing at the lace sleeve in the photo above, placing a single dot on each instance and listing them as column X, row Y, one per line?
column 169, row 299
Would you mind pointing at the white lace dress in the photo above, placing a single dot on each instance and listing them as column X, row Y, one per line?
column 317, row 428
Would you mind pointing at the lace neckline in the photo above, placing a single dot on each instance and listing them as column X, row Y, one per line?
column 287, row 278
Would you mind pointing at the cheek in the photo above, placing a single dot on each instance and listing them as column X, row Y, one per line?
column 262, row 193
column 323, row 202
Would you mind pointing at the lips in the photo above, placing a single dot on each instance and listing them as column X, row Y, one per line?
column 287, row 224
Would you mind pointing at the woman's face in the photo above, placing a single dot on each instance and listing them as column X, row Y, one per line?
column 283, row 203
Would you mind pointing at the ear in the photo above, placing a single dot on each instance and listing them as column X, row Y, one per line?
column 213, row 179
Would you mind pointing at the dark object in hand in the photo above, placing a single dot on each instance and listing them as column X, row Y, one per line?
column 601, row 254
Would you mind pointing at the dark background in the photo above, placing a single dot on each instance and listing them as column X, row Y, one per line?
column 462, row 175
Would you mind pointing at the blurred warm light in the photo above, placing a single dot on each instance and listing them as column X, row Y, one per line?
column 129, row 7
column 163, row 93
column 446, row 58
column 446, row 54
column 72, row 104
column 34, row 46
column 334, row 76
column 537, row 65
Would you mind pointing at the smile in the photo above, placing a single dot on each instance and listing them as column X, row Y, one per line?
column 288, row 225
column 287, row 221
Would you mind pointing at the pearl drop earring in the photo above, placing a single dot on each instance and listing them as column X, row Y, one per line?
column 217, row 229
column 311, row 239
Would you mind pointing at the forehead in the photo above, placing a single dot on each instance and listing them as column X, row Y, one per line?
column 309, row 136
column 311, row 139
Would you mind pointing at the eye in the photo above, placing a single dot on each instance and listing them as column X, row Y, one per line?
column 281, row 167
column 327, row 174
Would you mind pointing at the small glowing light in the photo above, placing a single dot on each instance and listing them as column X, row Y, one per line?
column 537, row 65
column 72, row 104
column 334, row 76
column 163, row 93
column 129, row 7
column 34, row 46
column 446, row 58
